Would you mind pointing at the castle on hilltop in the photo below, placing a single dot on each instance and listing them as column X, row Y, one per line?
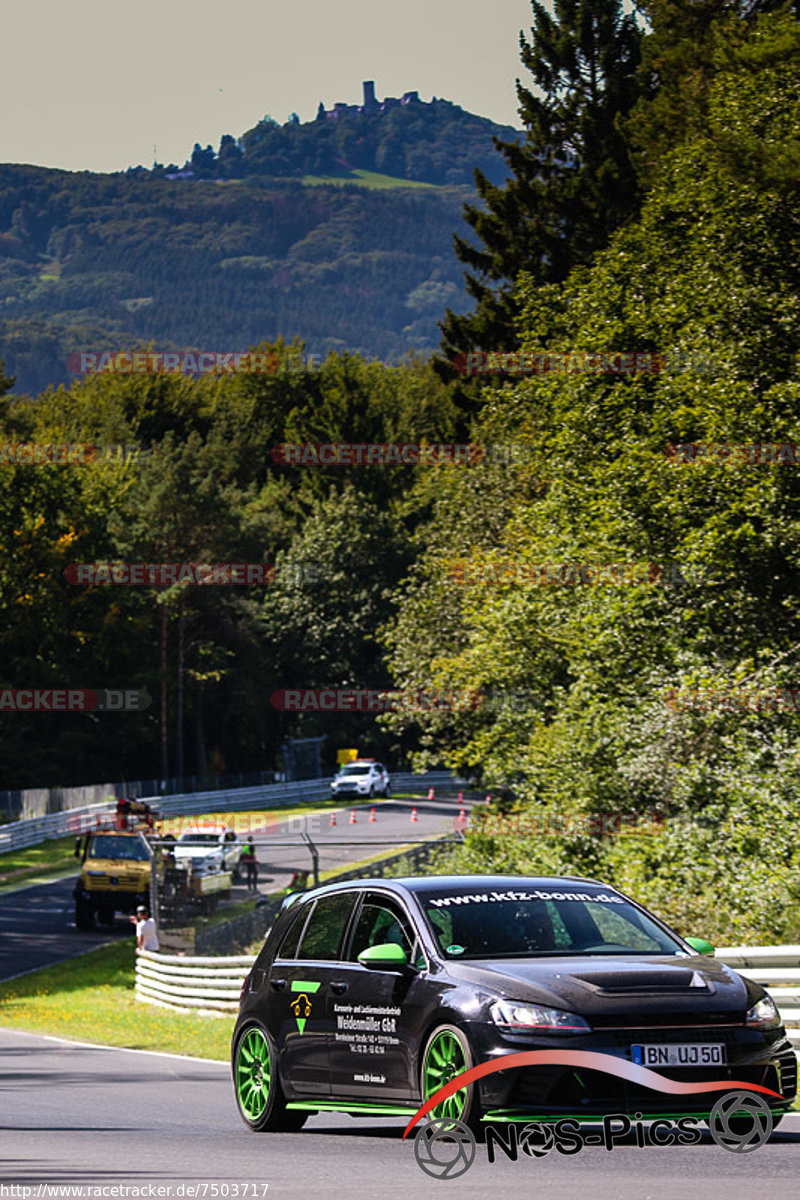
column 370, row 104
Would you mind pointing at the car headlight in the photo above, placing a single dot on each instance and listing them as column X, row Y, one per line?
column 763, row 1015
column 510, row 1014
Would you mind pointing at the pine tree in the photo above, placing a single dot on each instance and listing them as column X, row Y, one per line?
column 572, row 182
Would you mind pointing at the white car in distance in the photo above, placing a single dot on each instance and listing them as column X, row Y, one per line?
column 362, row 777
column 209, row 848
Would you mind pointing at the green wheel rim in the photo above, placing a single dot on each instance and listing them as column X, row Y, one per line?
column 444, row 1060
column 253, row 1073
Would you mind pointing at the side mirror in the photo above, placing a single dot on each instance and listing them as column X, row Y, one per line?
column 389, row 956
column 77, row 847
column 701, row 946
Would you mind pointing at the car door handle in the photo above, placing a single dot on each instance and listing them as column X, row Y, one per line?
column 277, row 984
column 338, row 988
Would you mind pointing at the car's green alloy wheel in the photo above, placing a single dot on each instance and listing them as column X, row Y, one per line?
column 253, row 1073
column 447, row 1054
column 259, row 1094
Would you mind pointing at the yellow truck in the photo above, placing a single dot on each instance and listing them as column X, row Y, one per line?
column 115, row 875
column 116, row 871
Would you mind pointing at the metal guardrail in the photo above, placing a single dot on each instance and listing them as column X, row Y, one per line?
column 272, row 795
column 206, row 985
column 212, row 985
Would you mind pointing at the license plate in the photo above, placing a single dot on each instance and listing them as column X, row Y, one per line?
column 680, row 1054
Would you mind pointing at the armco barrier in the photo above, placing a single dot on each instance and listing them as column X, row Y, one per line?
column 212, row 985
column 272, row 795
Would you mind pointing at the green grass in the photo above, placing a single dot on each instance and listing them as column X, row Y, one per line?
column 35, row 862
column 370, row 179
column 91, row 998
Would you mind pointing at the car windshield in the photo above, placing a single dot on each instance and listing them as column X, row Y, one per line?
column 538, row 921
column 108, row 846
column 198, row 839
column 355, row 770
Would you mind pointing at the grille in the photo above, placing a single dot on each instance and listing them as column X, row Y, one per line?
column 665, row 1020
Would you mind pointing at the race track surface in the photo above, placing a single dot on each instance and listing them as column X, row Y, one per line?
column 81, row 1119
column 37, row 923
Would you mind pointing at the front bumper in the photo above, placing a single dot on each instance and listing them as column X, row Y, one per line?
column 754, row 1057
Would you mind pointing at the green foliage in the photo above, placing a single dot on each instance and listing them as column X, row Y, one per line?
column 206, row 265
column 710, row 269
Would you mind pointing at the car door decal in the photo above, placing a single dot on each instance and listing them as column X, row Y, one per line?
column 301, row 1006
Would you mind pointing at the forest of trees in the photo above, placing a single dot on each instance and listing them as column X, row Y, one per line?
column 100, row 262
column 703, row 262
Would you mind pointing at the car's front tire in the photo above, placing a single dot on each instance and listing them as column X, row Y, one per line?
column 448, row 1053
column 259, row 1095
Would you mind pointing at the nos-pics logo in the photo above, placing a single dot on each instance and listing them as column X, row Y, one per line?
column 445, row 1148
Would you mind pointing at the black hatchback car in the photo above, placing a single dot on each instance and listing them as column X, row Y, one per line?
column 369, row 996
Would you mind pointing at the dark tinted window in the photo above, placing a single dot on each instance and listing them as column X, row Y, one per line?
column 288, row 948
column 381, row 921
column 324, row 933
column 524, row 921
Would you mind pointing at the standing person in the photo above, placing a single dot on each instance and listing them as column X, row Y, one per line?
column 146, row 936
column 252, row 865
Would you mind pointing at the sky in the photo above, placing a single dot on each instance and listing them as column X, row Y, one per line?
column 96, row 84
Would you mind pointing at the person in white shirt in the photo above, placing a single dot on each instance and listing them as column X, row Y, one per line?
column 146, row 936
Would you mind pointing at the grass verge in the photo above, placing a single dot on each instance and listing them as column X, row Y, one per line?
column 91, row 999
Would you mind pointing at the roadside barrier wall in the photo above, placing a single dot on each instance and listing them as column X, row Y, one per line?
column 212, row 985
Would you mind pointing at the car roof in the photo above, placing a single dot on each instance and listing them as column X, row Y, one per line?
column 446, row 883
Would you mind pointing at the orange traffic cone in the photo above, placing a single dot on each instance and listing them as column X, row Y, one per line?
column 333, row 818
column 352, row 816
column 414, row 816
column 431, row 795
column 462, row 816
column 372, row 817
column 488, row 797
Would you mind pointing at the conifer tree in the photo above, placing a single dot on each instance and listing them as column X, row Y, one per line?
column 572, row 182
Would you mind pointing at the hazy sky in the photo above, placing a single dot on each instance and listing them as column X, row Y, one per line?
column 95, row 84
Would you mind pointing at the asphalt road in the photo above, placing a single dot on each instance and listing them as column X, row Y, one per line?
column 37, row 923
column 77, row 1117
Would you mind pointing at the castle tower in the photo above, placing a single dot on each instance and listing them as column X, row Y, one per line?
column 369, row 95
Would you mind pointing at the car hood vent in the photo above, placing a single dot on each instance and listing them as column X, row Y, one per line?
column 612, row 983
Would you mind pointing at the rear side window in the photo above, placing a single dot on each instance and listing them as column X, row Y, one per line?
column 288, row 947
column 324, row 933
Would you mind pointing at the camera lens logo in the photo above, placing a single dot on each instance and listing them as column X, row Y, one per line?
column 740, row 1121
column 536, row 1140
column 445, row 1148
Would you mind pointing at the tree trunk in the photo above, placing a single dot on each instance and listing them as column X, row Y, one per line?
column 164, row 755
column 179, row 698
